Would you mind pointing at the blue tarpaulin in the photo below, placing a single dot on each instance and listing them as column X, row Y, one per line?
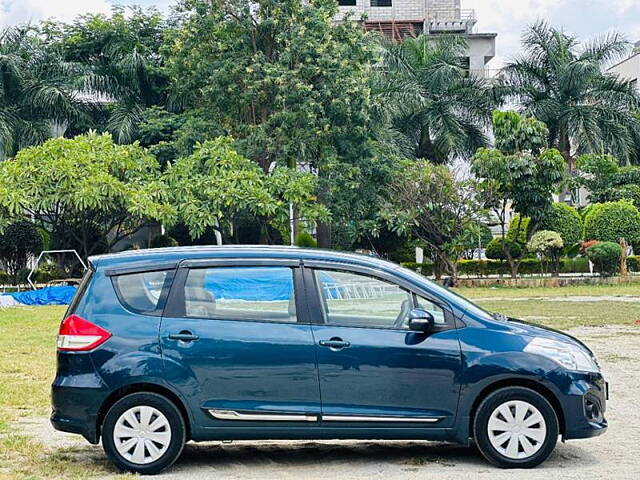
column 252, row 284
column 45, row 296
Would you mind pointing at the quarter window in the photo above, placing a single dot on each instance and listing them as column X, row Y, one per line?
column 142, row 292
column 241, row 293
column 354, row 300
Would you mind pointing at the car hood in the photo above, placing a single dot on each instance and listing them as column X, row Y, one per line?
column 529, row 329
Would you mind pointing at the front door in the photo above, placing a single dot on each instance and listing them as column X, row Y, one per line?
column 372, row 369
column 234, row 345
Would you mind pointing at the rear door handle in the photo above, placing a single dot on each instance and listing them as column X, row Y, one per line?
column 184, row 337
column 335, row 344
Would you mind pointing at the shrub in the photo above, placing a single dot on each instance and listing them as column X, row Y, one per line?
column 612, row 221
column 566, row 221
column 18, row 242
column 522, row 233
column 163, row 241
column 495, row 251
column 605, row 257
column 304, row 239
column 545, row 242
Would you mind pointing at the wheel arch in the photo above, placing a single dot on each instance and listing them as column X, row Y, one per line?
column 143, row 388
column 519, row 382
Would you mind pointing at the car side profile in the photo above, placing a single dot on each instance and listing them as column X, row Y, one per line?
column 161, row 347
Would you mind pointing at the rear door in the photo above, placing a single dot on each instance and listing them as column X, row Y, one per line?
column 373, row 371
column 237, row 344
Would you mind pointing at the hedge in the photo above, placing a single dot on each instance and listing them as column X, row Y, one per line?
column 609, row 222
column 529, row 266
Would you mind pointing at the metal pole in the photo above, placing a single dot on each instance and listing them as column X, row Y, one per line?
column 292, row 222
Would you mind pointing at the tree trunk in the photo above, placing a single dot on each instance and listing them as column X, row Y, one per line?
column 324, row 235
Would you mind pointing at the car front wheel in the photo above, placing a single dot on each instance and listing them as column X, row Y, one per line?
column 516, row 427
column 143, row 433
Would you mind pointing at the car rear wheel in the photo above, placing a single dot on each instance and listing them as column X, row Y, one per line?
column 143, row 433
column 516, row 427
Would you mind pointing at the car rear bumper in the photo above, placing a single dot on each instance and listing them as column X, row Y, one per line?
column 75, row 410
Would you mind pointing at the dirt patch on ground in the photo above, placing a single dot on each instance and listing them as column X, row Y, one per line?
column 611, row 456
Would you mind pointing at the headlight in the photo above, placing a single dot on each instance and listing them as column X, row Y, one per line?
column 569, row 356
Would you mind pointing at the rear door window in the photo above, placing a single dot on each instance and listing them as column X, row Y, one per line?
column 143, row 292
column 241, row 293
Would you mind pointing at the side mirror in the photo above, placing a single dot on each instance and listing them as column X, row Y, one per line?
column 421, row 321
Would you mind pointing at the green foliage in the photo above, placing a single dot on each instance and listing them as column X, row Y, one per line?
column 304, row 239
column 18, row 242
column 87, row 191
column 436, row 110
column 163, row 241
column 476, row 235
column 545, row 242
column 120, row 55
column 515, row 133
column 427, row 203
column 565, row 84
column 605, row 257
column 496, row 249
column 607, row 181
column 519, row 230
column 565, row 220
column 215, row 184
column 609, row 222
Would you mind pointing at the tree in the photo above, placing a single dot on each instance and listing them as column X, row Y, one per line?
column 609, row 222
column 37, row 90
column 606, row 180
column 605, row 257
column 426, row 202
column 18, row 242
column 289, row 84
column 125, row 67
column 520, row 178
column 547, row 244
column 215, row 184
column 564, row 84
column 438, row 110
column 87, row 191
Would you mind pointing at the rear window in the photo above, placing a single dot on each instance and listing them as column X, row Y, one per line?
column 143, row 292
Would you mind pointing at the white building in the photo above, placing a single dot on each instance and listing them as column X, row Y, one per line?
column 399, row 19
column 630, row 67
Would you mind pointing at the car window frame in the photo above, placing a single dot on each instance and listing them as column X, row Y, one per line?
column 176, row 304
column 315, row 302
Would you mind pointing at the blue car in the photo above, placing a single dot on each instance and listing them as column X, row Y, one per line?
column 161, row 347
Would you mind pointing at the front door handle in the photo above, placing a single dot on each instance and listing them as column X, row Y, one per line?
column 335, row 344
column 184, row 337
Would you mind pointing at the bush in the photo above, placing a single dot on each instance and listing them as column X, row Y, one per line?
column 304, row 239
column 18, row 242
column 605, row 257
column 609, row 222
column 495, row 251
column 522, row 234
column 163, row 241
column 4, row 278
column 566, row 221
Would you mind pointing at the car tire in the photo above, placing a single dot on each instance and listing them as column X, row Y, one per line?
column 515, row 427
column 143, row 433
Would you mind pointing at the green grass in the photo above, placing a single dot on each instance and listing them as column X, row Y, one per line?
column 581, row 290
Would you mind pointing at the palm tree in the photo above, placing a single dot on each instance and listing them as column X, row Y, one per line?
column 564, row 83
column 438, row 111
column 38, row 90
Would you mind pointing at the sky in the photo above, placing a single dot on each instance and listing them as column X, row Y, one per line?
column 508, row 18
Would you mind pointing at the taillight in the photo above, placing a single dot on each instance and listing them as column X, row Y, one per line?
column 79, row 335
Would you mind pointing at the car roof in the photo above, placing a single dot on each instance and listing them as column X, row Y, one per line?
column 153, row 258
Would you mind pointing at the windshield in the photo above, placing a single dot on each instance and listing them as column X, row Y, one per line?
column 448, row 295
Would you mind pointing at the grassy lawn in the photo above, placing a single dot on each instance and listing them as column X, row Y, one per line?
column 27, row 364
